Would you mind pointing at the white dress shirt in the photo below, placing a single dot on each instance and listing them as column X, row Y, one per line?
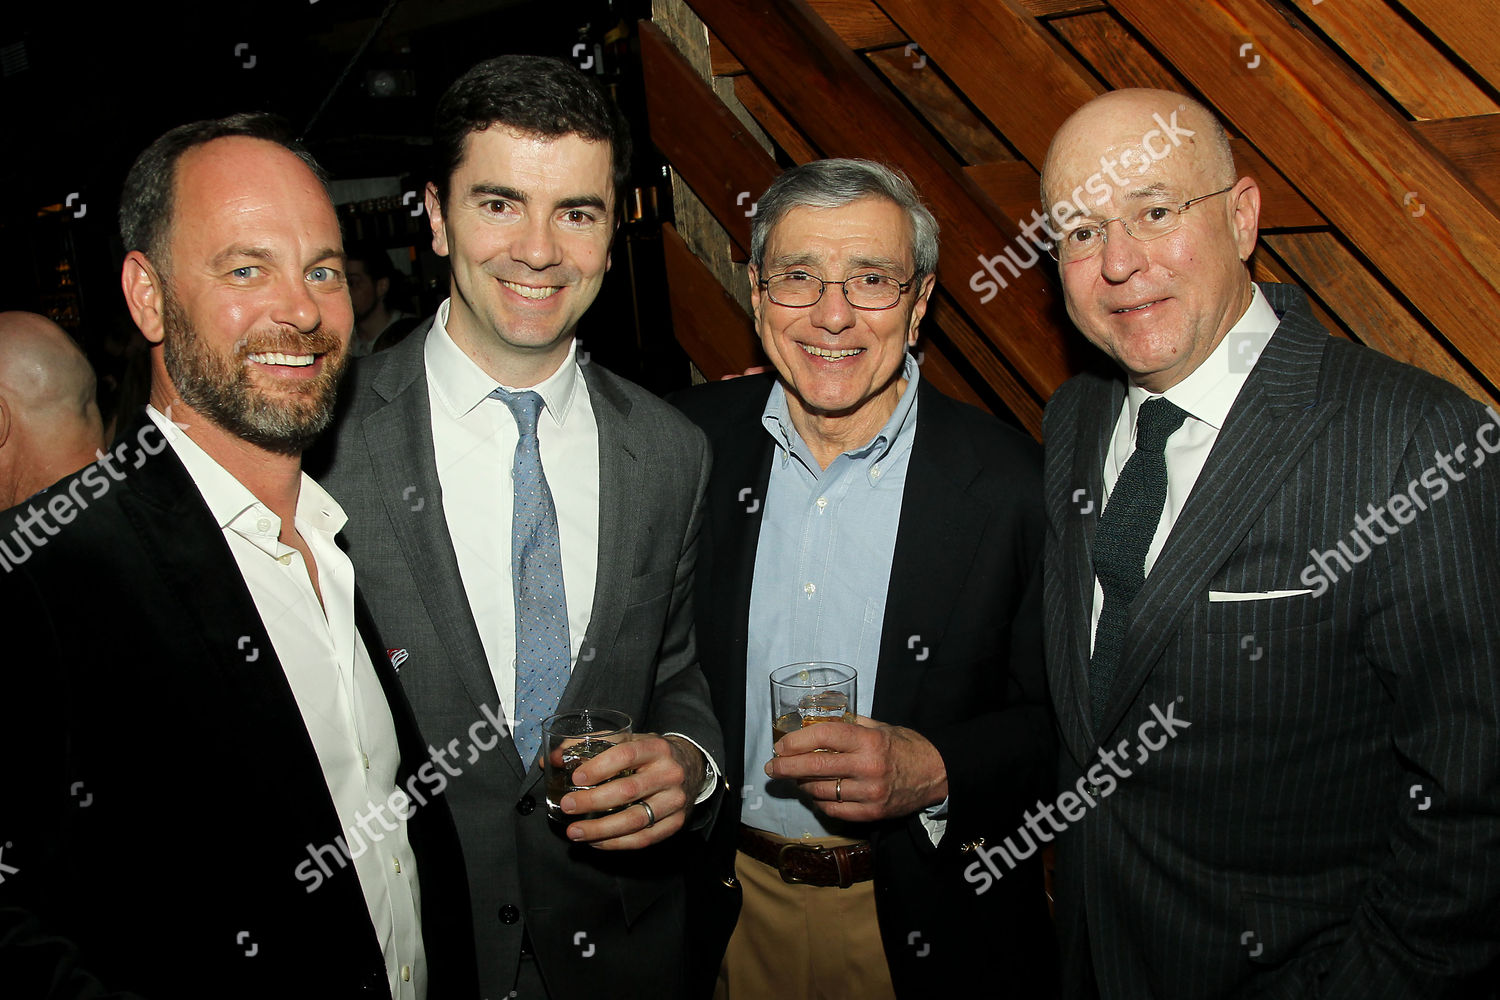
column 1207, row 394
column 335, row 687
column 474, row 441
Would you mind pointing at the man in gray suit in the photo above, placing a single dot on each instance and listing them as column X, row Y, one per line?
column 1270, row 562
column 526, row 528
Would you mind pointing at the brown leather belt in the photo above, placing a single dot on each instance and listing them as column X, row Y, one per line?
column 810, row 863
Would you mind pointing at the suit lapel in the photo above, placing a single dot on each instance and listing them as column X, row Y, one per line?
column 733, row 525
column 398, row 437
column 934, row 543
column 620, row 532
column 1275, row 419
column 168, row 512
column 1075, row 488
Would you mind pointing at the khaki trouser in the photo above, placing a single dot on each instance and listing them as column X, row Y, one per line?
column 803, row 942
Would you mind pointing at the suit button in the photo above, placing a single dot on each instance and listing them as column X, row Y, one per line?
column 525, row 806
column 509, row 914
column 1094, row 791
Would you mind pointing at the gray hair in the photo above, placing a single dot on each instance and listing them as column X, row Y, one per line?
column 834, row 184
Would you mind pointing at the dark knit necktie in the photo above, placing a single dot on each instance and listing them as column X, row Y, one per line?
column 542, row 650
column 1126, row 527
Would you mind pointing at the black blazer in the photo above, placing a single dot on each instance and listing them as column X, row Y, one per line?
column 1329, row 825
column 161, row 788
column 965, row 581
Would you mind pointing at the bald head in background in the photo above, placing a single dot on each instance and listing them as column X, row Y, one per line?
column 49, row 417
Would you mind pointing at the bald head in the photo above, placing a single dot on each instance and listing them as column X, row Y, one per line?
column 49, row 418
column 1119, row 136
column 1154, row 230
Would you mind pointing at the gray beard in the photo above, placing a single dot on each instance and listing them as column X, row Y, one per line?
column 220, row 388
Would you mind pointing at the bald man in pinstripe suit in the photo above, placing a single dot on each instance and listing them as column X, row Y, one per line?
column 1275, row 673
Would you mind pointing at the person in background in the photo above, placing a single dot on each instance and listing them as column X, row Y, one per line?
column 49, row 417
column 376, row 325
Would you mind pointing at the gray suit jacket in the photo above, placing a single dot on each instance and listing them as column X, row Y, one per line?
column 592, row 916
column 1329, row 823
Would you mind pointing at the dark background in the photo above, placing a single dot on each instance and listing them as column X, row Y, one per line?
column 82, row 94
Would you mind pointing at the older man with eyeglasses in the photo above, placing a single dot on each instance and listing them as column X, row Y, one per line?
column 856, row 514
column 1271, row 568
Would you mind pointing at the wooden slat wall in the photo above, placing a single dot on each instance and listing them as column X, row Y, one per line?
column 1372, row 127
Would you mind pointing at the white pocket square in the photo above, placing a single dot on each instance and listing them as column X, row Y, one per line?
column 1222, row 596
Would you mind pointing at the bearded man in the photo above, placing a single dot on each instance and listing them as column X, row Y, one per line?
column 198, row 724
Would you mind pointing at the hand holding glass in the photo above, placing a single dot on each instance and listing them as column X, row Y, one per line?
column 568, row 740
column 805, row 694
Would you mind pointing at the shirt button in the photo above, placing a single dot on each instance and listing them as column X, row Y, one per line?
column 526, row 805
column 822, row 502
column 397, row 863
column 509, row 914
column 264, row 524
column 809, row 588
column 367, row 760
column 875, row 472
column 406, row 973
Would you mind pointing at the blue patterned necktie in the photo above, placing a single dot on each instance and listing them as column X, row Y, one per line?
column 542, row 651
column 1126, row 527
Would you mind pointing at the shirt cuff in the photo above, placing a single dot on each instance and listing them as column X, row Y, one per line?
column 711, row 777
column 934, row 820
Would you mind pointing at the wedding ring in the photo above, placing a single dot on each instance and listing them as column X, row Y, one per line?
column 838, row 790
column 650, row 816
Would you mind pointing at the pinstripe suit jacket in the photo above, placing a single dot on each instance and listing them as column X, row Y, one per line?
column 1329, row 824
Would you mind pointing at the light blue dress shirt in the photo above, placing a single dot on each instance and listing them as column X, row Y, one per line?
column 822, row 571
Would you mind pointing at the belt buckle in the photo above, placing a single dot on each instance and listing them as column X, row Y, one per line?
column 781, row 861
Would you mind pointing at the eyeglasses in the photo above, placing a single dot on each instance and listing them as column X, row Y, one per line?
column 798, row 289
column 1149, row 223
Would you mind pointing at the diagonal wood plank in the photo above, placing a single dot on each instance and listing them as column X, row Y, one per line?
column 862, row 26
column 702, row 138
column 770, row 118
column 1465, row 27
column 1401, row 203
column 967, row 341
column 1470, row 144
column 859, row 23
column 1413, row 71
column 1108, row 48
column 940, row 106
column 939, row 369
column 1042, row 83
column 1323, row 263
column 709, row 324
column 845, row 110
